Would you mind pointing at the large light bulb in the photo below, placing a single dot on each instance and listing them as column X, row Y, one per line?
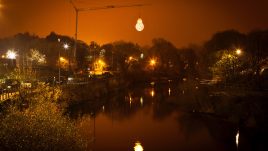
column 139, row 25
column 138, row 147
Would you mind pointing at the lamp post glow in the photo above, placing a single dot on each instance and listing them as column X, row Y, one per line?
column 99, row 67
column 62, row 59
column 11, row 54
column 152, row 62
column 238, row 51
column 65, row 46
column 139, row 25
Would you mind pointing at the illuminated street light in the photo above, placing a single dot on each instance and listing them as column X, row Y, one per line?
column 142, row 56
column 152, row 62
column 130, row 58
column 102, row 63
column 62, row 59
column 238, row 51
column 66, row 46
column 139, row 25
column 99, row 67
column 11, row 54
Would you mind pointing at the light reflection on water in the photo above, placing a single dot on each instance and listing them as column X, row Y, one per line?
column 130, row 116
column 237, row 138
column 141, row 101
column 152, row 92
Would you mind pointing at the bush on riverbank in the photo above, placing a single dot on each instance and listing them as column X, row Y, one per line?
column 41, row 126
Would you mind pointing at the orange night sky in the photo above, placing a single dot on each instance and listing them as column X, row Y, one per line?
column 180, row 21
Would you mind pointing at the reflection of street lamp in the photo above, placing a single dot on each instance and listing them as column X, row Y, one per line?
column 152, row 92
column 237, row 138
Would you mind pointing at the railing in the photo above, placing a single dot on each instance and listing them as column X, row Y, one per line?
column 7, row 95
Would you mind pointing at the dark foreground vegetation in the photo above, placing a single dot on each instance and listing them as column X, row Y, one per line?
column 37, row 122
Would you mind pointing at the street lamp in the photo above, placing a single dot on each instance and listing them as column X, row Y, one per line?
column 130, row 58
column 62, row 59
column 65, row 46
column 11, row 54
column 238, row 51
column 152, row 62
column 99, row 66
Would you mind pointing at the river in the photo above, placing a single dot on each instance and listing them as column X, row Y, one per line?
column 155, row 117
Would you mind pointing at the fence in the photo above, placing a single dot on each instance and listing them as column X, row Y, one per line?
column 7, row 95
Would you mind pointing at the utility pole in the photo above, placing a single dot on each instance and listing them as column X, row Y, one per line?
column 77, row 10
column 76, row 26
column 59, row 62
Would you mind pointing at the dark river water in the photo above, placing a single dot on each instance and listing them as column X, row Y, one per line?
column 159, row 117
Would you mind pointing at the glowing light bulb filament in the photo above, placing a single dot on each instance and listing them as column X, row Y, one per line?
column 139, row 25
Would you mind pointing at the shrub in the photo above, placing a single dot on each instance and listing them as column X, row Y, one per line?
column 41, row 126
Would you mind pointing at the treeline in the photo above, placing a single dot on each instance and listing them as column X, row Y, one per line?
column 130, row 58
